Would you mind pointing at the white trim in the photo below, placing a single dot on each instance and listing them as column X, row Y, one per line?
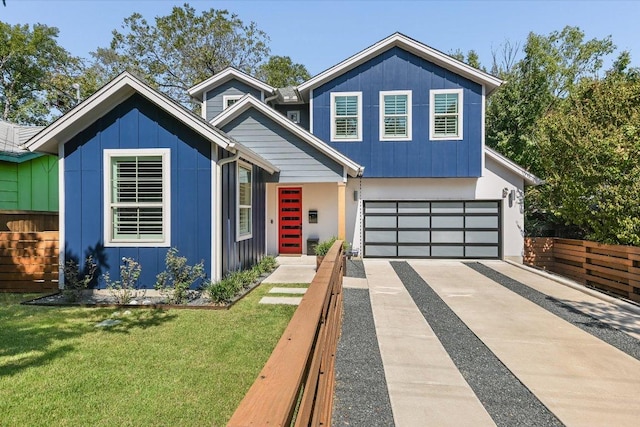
column 203, row 106
column 249, row 167
column 108, row 154
column 528, row 177
column 218, row 224
column 61, row 217
column 482, row 127
column 104, row 100
column 407, row 93
column 460, row 114
column 223, row 77
column 216, row 244
column 249, row 101
column 412, row 46
column 291, row 112
column 227, row 98
column 333, row 138
column 311, row 111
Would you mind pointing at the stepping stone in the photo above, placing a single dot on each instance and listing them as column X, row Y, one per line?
column 288, row 290
column 107, row 323
column 281, row 300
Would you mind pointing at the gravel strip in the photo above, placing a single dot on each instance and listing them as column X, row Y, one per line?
column 361, row 397
column 506, row 399
column 595, row 327
column 355, row 268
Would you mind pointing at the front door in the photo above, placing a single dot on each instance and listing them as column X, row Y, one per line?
column 290, row 220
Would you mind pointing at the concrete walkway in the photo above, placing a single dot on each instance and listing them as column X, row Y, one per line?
column 581, row 379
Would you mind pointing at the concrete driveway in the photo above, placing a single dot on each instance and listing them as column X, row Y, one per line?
column 449, row 343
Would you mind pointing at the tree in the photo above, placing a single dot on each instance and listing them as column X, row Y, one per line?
column 591, row 146
column 472, row 58
column 30, row 64
column 552, row 65
column 179, row 50
column 280, row 71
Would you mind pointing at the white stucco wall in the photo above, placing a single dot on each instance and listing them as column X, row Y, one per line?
column 320, row 197
column 488, row 187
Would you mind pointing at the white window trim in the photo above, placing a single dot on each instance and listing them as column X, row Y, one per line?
column 226, row 98
column 432, row 108
column 165, row 153
column 333, row 116
column 249, row 235
column 290, row 113
column 409, row 115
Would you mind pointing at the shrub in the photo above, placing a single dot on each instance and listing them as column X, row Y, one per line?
column 323, row 247
column 267, row 264
column 176, row 280
column 75, row 281
column 224, row 290
column 125, row 289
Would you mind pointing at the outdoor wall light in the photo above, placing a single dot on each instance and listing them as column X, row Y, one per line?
column 512, row 197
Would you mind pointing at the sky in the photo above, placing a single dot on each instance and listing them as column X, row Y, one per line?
column 320, row 34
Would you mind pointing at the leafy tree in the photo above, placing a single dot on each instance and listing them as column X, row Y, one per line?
column 179, row 50
column 590, row 144
column 31, row 65
column 280, row 71
column 552, row 65
column 472, row 58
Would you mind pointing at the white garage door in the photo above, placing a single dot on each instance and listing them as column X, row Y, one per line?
column 432, row 229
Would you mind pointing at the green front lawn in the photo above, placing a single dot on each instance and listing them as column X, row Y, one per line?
column 174, row 367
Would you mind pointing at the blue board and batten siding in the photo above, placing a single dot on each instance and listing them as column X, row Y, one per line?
column 298, row 161
column 137, row 123
column 397, row 69
column 215, row 97
column 238, row 255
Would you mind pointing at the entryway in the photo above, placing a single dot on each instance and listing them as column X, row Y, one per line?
column 290, row 220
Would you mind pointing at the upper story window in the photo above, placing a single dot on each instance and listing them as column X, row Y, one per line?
column 137, row 197
column 446, row 114
column 346, row 116
column 244, row 199
column 229, row 100
column 395, row 115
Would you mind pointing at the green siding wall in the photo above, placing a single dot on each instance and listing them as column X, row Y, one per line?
column 30, row 185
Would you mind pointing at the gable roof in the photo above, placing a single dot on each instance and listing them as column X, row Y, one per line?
column 415, row 47
column 528, row 177
column 104, row 100
column 225, row 75
column 12, row 136
column 248, row 101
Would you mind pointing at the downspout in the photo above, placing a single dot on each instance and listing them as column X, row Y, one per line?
column 218, row 224
column 271, row 98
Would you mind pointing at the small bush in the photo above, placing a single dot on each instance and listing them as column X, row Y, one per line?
column 233, row 283
column 125, row 289
column 176, row 280
column 74, row 281
column 323, row 247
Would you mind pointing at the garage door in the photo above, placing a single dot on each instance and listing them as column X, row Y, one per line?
column 432, row 229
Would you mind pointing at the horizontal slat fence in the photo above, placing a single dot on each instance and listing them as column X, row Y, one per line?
column 296, row 385
column 612, row 268
column 28, row 221
column 29, row 262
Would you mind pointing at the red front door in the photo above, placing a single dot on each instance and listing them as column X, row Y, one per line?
column 290, row 220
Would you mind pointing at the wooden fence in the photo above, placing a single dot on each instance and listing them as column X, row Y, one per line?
column 28, row 221
column 612, row 268
column 29, row 262
column 296, row 385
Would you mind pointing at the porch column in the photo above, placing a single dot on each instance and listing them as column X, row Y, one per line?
column 342, row 211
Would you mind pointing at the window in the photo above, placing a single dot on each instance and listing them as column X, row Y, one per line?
column 395, row 115
column 294, row 116
column 346, row 116
column 229, row 100
column 137, row 198
column 244, row 225
column 446, row 114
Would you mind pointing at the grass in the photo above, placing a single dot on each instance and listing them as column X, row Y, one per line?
column 175, row 367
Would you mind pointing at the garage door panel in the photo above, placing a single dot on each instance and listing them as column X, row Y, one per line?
column 432, row 229
column 413, row 237
column 414, row 251
column 414, row 222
